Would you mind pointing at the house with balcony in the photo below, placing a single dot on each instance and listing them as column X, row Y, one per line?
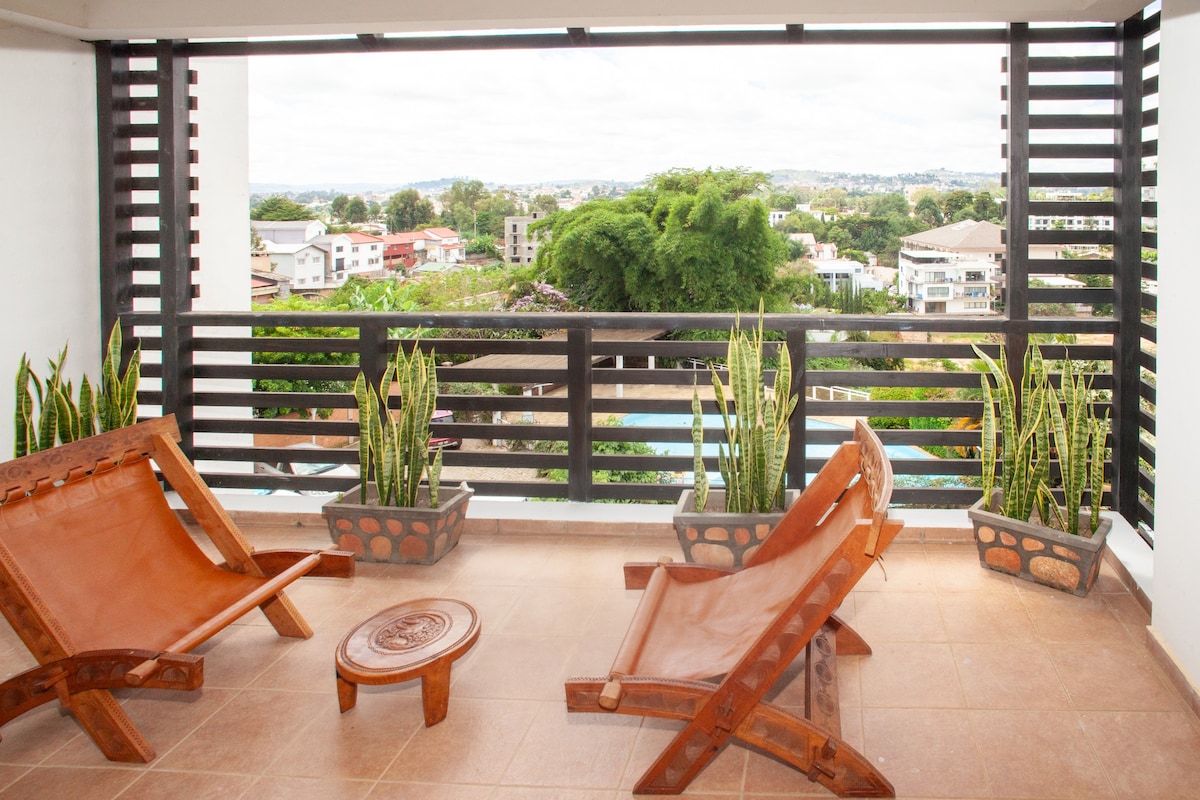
column 936, row 282
column 400, row 250
column 304, row 265
column 842, row 272
column 149, row 155
column 350, row 254
column 443, row 245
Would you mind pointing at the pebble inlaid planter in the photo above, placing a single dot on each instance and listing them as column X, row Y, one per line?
column 718, row 538
column 1037, row 553
column 418, row 535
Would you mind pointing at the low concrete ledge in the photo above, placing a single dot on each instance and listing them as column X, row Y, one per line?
column 1127, row 554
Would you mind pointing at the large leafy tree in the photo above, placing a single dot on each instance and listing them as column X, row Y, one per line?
column 407, row 210
column 690, row 241
column 278, row 208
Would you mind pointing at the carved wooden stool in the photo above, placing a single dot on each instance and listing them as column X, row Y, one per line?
column 417, row 639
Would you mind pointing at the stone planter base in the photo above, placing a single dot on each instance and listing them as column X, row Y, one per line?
column 718, row 538
column 419, row 535
column 1037, row 553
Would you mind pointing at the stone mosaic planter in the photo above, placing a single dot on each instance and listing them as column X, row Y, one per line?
column 718, row 538
column 418, row 535
column 1037, row 553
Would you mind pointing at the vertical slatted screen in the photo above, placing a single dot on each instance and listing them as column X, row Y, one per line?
column 147, row 217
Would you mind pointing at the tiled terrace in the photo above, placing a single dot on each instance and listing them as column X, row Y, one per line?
column 980, row 686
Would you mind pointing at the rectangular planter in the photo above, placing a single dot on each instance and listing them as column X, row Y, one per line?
column 1038, row 553
column 418, row 535
column 719, row 538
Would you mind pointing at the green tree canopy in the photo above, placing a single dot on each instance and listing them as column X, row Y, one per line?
column 544, row 202
column 337, row 207
column 356, row 211
column 407, row 210
column 690, row 241
column 278, row 208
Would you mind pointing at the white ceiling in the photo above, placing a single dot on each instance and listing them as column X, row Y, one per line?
column 131, row 19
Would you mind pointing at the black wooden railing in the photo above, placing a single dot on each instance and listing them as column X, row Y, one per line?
column 578, row 375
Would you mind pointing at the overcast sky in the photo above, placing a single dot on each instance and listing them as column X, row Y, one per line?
column 621, row 114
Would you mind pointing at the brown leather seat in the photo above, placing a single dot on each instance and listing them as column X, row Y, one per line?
column 707, row 643
column 107, row 588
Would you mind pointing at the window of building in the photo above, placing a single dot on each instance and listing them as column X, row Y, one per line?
column 938, row 291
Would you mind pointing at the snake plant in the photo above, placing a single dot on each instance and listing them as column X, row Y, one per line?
column 396, row 447
column 1034, row 427
column 756, row 431
column 56, row 417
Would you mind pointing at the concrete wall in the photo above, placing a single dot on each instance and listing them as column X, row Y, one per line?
column 49, row 207
column 1177, row 541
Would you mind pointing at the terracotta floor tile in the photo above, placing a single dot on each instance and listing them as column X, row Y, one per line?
column 577, row 751
column 1113, row 677
column 952, row 572
column 925, row 752
column 247, row 734
column 73, row 782
column 1061, row 617
column 553, row 611
column 192, row 785
column 356, row 745
column 904, row 568
column 429, row 791
column 234, row 658
column 1147, row 755
column 536, row 793
column 898, row 617
column 513, row 667
column 1011, row 675
column 1039, row 754
column 275, row 787
column 907, row 675
column 985, row 617
column 474, row 744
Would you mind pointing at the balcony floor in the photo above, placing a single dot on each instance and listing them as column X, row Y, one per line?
column 980, row 686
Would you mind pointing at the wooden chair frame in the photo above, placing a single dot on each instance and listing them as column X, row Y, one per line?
column 35, row 512
column 727, row 706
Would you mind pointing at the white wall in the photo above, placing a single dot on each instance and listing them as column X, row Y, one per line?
column 1177, row 539
column 223, row 124
column 49, row 207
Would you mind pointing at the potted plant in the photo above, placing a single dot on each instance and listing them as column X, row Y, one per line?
column 724, row 527
column 1021, row 528
column 56, row 416
column 403, row 515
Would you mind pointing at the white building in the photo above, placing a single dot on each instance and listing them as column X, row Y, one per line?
column 518, row 247
column 288, row 232
column 839, row 272
column 350, row 254
column 305, row 265
column 934, row 282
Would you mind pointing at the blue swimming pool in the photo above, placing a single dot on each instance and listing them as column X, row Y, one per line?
column 710, row 448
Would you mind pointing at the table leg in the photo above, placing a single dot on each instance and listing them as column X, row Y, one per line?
column 435, row 692
column 347, row 694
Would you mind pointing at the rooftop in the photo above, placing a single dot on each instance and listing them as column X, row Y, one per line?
column 980, row 686
column 966, row 235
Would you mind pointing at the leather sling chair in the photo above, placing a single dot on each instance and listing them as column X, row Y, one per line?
column 707, row 643
column 107, row 589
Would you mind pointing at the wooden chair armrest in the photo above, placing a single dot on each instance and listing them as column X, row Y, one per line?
column 637, row 573
column 333, row 563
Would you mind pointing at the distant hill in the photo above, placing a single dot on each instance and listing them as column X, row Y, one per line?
column 940, row 178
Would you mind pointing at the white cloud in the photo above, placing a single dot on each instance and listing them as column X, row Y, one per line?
column 524, row 116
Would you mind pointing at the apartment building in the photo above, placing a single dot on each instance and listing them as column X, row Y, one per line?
column 518, row 247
